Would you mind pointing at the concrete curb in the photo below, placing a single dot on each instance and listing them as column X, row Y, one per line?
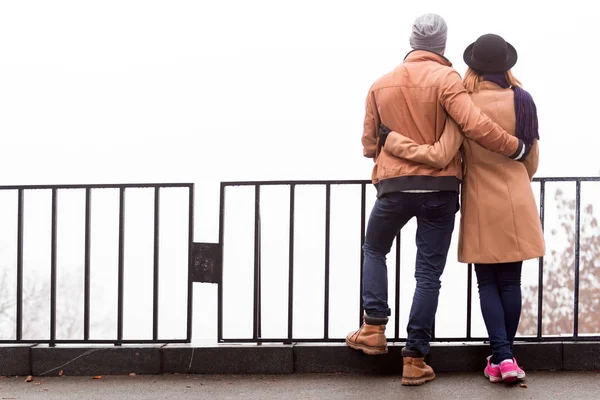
column 15, row 360
column 264, row 359
column 82, row 361
column 278, row 359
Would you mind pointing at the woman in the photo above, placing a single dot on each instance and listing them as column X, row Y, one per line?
column 500, row 225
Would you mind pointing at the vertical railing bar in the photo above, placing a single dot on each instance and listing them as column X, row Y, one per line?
column 577, row 246
column 53, row 269
column 363, row 201
column 190, row 288
column 256, row 318
column 155, row 283
column 121, row 273
column 469, row 298
column 291, row 264
column 259, row 300
column 541, row 263
column 221, row 245
column 20, row 210
column 397, row 300
column 87, row 265
column 327, row 259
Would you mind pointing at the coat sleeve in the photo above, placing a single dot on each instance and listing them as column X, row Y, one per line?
column 533, row 159
column 473, row 122
column 371, row 126
column 437, row 155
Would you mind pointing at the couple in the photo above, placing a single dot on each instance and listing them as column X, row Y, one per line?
column 429, row 131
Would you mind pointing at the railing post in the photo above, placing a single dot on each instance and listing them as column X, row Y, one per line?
column 121, row 272
column 363, row 201
column 87, row 265
column 53, row 268
column 156, row 269
column 577, row 245
column 397, row 299
column 327, row 259
column 469, row 298
column 190, row 288
column 220, row 286
column 541, row 264
column 290, row 332
column 20, row 210
column 257, row 262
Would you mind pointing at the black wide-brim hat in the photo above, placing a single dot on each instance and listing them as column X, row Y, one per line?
column 490, row 53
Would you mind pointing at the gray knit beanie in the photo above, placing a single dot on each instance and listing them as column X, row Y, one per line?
column 429, row 32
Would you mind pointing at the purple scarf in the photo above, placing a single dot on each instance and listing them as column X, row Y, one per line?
column 525, row 110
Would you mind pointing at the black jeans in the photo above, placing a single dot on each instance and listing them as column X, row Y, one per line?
column 435, row 212
column 500, row 298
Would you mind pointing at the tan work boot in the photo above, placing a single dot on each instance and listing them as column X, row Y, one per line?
column 370, row 338
column 414, row 371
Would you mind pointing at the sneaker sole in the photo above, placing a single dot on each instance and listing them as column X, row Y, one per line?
column 513, row 376
column 493, row 379
column 369, row 350
column 417, row 381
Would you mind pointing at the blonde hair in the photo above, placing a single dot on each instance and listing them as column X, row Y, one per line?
column 473, row 79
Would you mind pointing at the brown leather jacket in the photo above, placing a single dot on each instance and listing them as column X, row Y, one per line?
column 414, row 100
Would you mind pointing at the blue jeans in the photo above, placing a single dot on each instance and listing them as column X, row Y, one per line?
column 500, row 298
column 435, row 212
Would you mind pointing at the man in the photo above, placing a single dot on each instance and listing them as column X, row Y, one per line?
column 414, row 100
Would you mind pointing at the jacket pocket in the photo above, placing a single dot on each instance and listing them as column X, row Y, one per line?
column 440, row 205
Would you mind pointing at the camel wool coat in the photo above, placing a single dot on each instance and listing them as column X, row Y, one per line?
column 499, row 216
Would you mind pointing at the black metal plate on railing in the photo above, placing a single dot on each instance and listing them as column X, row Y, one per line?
column 206, row 263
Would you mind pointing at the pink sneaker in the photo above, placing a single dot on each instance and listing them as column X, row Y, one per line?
column 510, row 371
column 492, row 372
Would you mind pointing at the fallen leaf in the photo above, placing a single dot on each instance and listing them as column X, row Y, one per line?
column 60, row 373
column 523, row 385
column 98, row 377
column 132, row 374
column 29, row 378
column 188, row 386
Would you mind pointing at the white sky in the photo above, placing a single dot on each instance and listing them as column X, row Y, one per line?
column 206, row 91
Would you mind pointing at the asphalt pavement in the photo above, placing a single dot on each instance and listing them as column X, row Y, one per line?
column 539, row 385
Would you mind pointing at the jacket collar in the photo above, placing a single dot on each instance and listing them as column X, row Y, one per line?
column 426, row 55
column 487, row 85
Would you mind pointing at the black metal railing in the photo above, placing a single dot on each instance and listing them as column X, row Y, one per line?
column 257, row 337
column 199, row 271
column 89, row 191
